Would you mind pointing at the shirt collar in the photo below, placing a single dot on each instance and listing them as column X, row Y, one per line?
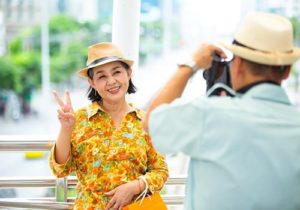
column 94, row 108
column 248, row 87
column 268, row 92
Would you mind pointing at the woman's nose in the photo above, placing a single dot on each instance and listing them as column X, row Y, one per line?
column 111, row 80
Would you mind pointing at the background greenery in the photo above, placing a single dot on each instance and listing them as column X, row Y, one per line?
column 69, row 39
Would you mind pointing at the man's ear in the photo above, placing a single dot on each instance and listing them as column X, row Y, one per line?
column 287, row 72
column 236, row 67
column 239, row 68
column 91, row 82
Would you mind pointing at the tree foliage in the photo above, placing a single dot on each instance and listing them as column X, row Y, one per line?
column 10, row 75
column 69, row 39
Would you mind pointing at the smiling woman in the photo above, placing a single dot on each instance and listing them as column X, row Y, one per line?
column 104, row 143
column 116, row 70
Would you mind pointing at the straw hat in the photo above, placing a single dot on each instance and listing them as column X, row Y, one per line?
column 267, row 39
column 103, row 53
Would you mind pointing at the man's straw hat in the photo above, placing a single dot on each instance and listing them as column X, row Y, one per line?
column 266, row 39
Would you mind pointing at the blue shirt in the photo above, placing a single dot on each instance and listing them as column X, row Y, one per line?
column 245, row 151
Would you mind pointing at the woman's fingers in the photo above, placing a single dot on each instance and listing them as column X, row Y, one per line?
column 110, row 193
column 68, row 100
column 65, row 106
column 110, row 204
column 65, row 115
column 58, row 99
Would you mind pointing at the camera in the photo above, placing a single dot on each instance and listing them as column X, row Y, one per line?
column 218, row 73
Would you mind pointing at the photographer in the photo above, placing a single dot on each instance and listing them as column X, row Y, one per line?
column 244, row 150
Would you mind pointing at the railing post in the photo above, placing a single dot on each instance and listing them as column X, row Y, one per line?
column 61, row 191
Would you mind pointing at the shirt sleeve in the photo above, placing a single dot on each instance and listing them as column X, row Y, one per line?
column 178, row 127
column 157, row 169
column 60, row 170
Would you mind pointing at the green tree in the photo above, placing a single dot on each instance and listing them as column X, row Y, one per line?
column 29, row 66
column 67, row 62
column 296, row 32
column 150, row 39
column 68, row 50
column 10, row 75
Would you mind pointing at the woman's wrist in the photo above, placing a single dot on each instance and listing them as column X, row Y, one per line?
column 142, row 185
column 139, row 186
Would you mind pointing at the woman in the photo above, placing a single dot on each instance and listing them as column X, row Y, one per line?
column 104, row 143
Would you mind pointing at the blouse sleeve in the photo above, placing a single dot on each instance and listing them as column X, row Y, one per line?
column 157, row 172
column 60, row 170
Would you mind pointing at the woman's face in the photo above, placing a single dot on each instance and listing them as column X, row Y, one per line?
column 111, row 81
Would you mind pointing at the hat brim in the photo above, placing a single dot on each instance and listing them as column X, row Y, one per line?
column 83, row 72
column 266, row 58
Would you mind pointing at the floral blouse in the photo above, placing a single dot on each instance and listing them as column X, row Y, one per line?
column 104, row 157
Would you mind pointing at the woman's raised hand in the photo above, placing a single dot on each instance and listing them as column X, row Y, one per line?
column 65, row 113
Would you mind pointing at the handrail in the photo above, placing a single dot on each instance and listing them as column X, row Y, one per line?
column 15, row 182
column 44, row 143
column 35, row 203
column 45, row 181
column 28, row 143
column 50, row 203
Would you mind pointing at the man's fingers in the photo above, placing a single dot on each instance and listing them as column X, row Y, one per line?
column 223, row 93
column 58, row 99
column 220, row 52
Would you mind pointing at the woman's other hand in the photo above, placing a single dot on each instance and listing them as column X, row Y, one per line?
column 122, row 195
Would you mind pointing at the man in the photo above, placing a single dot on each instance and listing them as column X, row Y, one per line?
column 244, row 150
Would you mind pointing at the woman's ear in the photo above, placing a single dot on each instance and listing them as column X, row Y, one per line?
column 91, row 82
column 129, row 72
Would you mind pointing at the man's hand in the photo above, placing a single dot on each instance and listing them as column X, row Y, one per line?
column 204, row 55
column 176, row 85
column 122, row 195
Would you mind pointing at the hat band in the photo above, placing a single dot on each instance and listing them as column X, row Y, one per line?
column 242, row 45
column 101, row 60
column 234, row 42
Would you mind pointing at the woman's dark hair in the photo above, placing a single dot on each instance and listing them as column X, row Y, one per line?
column 93, row 95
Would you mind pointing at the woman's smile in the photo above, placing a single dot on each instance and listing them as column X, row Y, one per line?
column 114, row 90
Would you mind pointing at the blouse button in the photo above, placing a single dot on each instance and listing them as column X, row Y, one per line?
column 129, row 125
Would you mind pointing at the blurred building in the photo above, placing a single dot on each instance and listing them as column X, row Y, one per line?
column 290, row 8
column 293, row 8
column 15, row 15
column 2, row 34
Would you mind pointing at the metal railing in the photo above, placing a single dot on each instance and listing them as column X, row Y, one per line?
column 61, row 185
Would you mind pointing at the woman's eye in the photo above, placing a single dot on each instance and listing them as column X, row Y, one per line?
column 117, row 72
column 101, row 77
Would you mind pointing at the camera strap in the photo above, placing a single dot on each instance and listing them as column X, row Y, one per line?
column 216, row 90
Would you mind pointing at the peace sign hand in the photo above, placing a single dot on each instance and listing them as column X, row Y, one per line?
column 65, row 113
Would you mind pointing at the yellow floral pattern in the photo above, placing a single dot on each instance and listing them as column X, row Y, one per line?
column 104, row 157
